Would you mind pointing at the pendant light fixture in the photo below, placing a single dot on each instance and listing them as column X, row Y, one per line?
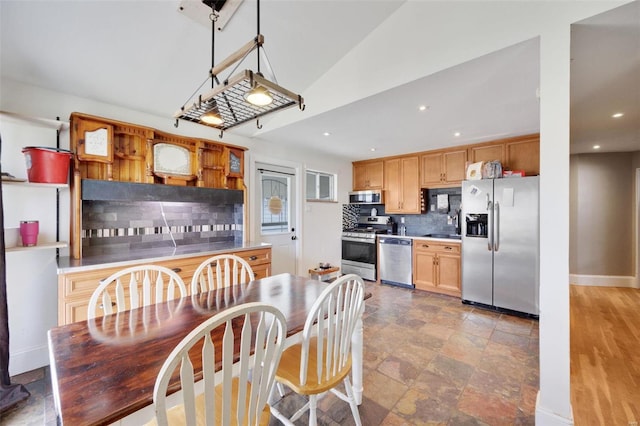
column 243, row 97
column 258, row 96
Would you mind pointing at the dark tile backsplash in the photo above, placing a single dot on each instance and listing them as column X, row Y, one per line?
column 432, row 222
column 108, row 226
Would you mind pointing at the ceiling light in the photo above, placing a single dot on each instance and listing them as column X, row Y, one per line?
column 373, row 149
column 618, row 115
column 258, row 96
column 422, row 107
column 237, row 99
column 456, row 134
column 212, row 118
column 326, row 133
column 596, row 147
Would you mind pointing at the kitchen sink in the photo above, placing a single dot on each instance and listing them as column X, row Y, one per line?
column 450, row 236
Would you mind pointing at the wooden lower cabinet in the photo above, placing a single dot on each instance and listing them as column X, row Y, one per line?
column 436, row 267
column 75, row 288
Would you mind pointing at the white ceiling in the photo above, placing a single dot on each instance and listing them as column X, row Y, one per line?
column 150, row 56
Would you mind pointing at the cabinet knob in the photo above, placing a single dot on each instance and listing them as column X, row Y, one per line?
column 213, row 264
column 425, row 245
column 448, row 248
column 177, row 270
column 101, row 306
column 253, row 258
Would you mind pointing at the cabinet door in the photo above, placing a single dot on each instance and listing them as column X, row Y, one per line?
column 449, row 273
column 410, row 184
column 524, row 155
column 392, row 186
column 431, row 170
column 487, row 153
column 454, row 166
column 369, row 175
column 424, row 269
column 375, row 174
column 74, row 292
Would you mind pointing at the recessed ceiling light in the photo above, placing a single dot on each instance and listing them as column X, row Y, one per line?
column 596, row 147
column 618, row 115
column 456, row 134
column 373, row 149
column 326, row 133
column 422, row 107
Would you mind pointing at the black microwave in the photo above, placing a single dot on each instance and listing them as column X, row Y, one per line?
column 366, row 197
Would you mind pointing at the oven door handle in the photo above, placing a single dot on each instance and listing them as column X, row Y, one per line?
column 360, row 240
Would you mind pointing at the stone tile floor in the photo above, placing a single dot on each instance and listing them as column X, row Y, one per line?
column 428, row 360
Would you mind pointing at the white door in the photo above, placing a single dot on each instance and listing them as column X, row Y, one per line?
column 275, row 214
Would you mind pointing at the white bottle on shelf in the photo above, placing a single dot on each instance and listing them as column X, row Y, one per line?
column 403, row 228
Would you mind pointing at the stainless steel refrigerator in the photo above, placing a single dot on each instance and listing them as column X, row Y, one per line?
column 500, row 243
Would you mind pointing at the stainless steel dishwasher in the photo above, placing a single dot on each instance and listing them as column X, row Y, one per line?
column 396, row 261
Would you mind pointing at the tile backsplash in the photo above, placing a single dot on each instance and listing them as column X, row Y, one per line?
column 108, row 226
column 431, row 222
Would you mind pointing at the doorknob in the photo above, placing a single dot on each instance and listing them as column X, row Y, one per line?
column 294, row 237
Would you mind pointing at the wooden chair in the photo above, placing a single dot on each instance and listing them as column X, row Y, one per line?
column 239, row 392
column 221, row 271
column 146, row 285
column 323, row 358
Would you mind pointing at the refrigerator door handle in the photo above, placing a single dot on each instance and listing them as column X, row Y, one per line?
column 496, row 219
column 490, row 226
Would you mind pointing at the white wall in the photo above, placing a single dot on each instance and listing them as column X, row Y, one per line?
column 319, row 236
column 37, row 289
column 423, row 37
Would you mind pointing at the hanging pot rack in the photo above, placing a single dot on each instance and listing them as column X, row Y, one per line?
column 227, row 99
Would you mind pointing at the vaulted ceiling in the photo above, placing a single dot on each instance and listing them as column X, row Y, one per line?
column 151, row 56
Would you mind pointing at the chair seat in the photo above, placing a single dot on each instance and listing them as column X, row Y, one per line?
column 288, row 372
column 176, row 414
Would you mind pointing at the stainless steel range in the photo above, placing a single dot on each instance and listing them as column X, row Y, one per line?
column 359, row 248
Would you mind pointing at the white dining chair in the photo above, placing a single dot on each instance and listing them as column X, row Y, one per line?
column 221, row 271
column 135, row 287
column 238, row 393
column 322, row 360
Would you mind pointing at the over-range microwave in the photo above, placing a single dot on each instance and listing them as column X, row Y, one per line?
column 366, row 197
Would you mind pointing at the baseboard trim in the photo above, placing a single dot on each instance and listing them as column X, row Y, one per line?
column 604, row 281
column 28, row 360
column 545, row 417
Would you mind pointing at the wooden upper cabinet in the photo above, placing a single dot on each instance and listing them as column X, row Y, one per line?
column 113, row 150
column 402, row 185
column 524, row 154
column 431, row 169
column 443, row 169
column 455, row 163
column 368, row 175
column 518, row 153
column 487, row 153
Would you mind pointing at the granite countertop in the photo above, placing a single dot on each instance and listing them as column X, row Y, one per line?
column 124, row 257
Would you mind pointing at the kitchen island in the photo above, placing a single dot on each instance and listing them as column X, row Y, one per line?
column 77, row 278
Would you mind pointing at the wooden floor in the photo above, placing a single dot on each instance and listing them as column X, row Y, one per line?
column 605, row 355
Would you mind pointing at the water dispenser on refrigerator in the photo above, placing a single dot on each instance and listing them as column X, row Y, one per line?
column 477, row 225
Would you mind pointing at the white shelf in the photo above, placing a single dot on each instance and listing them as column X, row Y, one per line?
column 43, row 246
column 35, row 185
column 37, row 121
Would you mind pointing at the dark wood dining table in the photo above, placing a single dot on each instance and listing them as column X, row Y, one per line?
column 103, row 370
